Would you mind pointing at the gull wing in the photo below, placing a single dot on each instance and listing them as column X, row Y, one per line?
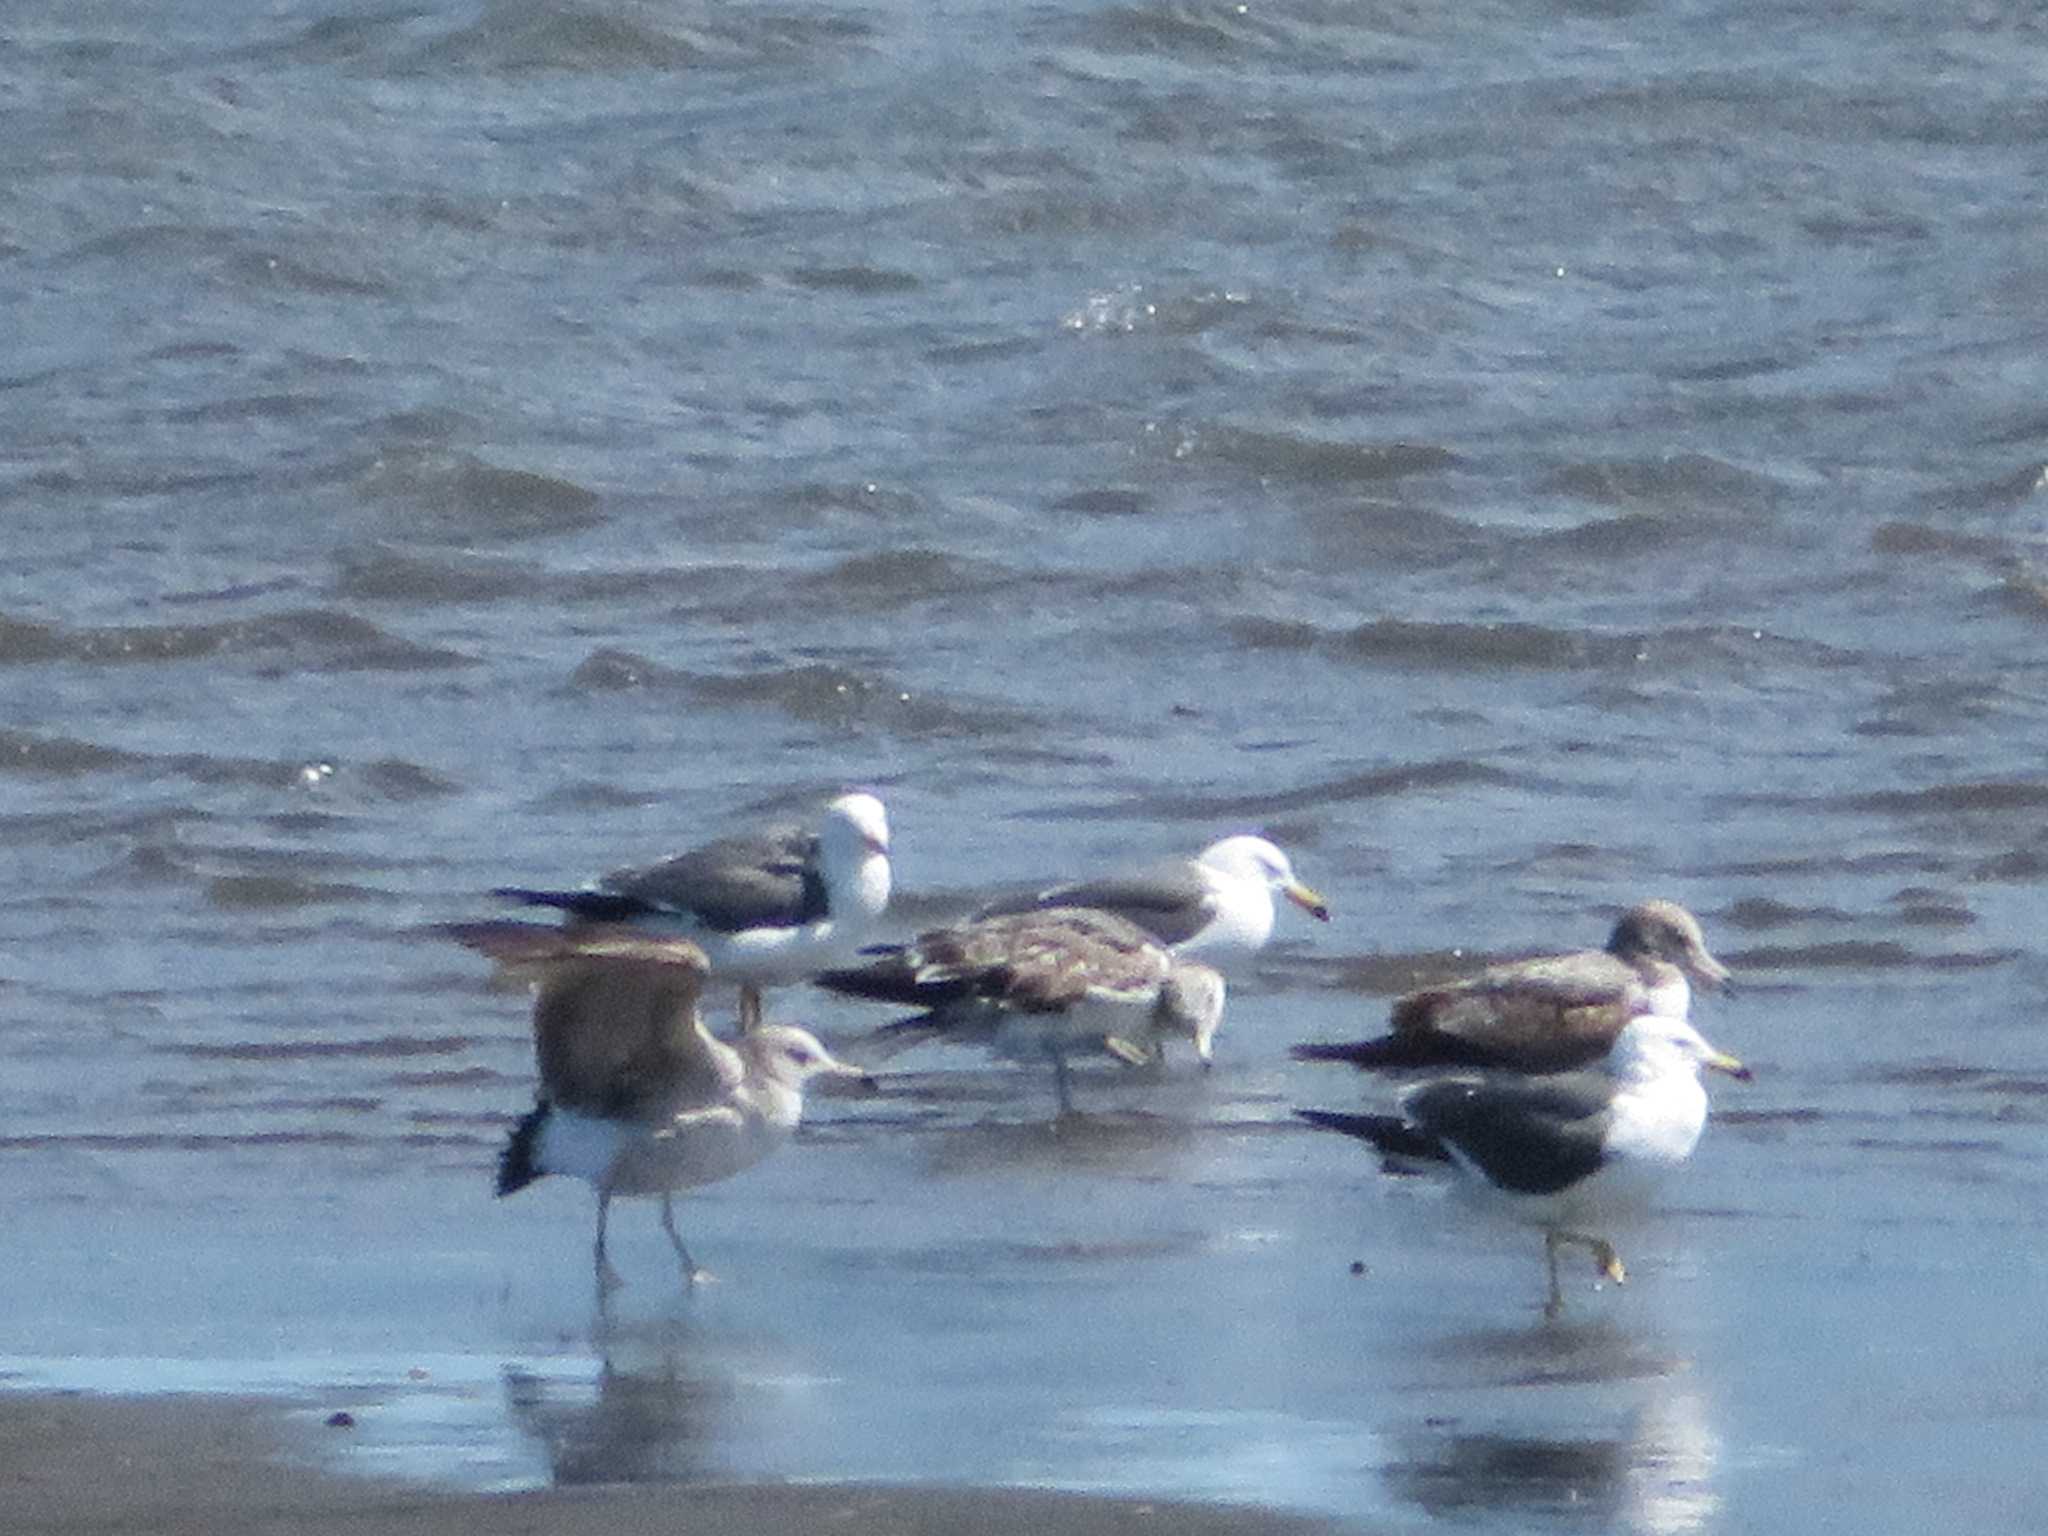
column 1028, row 962
column 754, row 880
column 1531, row 1135
column 616, row 1030
column 1553, row 1014
column 1169, row 900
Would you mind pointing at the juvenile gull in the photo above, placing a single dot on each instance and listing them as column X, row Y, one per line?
column 1217, row 906
column 768, row 908
column 1043, row 986
column 1564, row 1150
column 1549, row 1014
column 636, row 1095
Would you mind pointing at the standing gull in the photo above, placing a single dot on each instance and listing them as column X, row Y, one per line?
column 1043, row 986
column 1550, row 1014
column 636, row 1095
column 1217, row 906
column 1565, row 1150
column 767, row 908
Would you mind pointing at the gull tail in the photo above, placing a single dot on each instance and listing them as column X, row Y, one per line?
column 516, row 1165
column 1390, row 1133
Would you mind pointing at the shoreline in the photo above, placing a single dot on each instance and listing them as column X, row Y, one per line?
column 73, row 1463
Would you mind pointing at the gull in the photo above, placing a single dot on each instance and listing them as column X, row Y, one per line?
column 1564, row 1150
column 767, row 908
column 1043, row 986
column 1216, row 906
column 636, row 1095
column 1549, row 1014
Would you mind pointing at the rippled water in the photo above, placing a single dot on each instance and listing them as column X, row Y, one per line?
column 1523, row 458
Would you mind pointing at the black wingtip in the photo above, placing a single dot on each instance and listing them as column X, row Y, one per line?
column 1337, row 1120
column 591, row 906
column 516, row 1165
column 528, row 896
column 892, row 984
column 1389, row 1053
column 1389, row 1133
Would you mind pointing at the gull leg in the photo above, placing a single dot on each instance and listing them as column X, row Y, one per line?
column 750, row 1007
column 1553, row 1308
column 691, row 1273
column 607, row 1278
column 1130, row 1053
column 1608, row 1260
column 1059, row 1082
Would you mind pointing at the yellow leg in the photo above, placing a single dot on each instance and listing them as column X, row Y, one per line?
column 1609, row 1262
column 1606, row 1263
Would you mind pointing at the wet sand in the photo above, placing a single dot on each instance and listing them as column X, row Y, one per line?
column 212, row 1466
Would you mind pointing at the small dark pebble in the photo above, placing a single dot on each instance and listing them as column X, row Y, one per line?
column 1358, row 1266
column 343, row 1420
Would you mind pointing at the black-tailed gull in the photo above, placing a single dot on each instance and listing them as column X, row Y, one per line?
column 1549, row 1014
column 1216, row 906
column 636, row 1096
column 769, row 908
column 1043, row 986
column 1562, row 1151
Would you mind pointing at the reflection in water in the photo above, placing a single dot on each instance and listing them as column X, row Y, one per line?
column 1591, row 1351
column 1625, row 1440
column 1127, row 1143
column 666, row 1406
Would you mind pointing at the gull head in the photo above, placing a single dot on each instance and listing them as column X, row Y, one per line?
column 1255, row 859
column 792, row 1057
column 861, row 820
column 1191, row 1005
column 853, row 856
column 1669, row 932
column 1651, row 1045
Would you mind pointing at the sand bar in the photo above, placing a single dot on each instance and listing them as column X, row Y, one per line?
column 211, row 1466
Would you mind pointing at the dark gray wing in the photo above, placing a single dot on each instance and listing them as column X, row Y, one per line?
column 767, row 879
column 759, row 880
column 1535, row 1136
column 1170, row 900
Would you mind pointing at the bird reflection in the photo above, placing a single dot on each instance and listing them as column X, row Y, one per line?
column 1652, row 1472
column 661, row 1412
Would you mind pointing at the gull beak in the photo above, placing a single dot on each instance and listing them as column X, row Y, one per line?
column 850, row 1079
column 1708, row 972
column 1720, row 1061
column 1308, row 900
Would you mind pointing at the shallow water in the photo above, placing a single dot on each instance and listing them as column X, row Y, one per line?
column 1523, row 459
